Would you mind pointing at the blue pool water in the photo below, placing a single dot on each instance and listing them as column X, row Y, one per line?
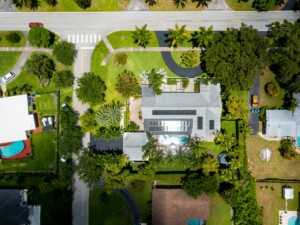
column 298, row 139
column 12, row 149
column 294, row 220
column 193, row 222
column 172, row 139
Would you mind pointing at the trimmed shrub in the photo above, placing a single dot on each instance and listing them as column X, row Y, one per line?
column 121, row 59
column 6, row 94
column 286, row 149
column 171, row 81
column 13, row 37
column 138, row 185
column 191, row 59
column 273, row 89
column 185, row 82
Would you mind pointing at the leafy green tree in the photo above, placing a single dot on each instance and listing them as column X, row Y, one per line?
column 87, row 121
column 46, row 187
column 210, row 165
column 127, row 85
column 63, row 79
column 231, row 34
column 150, row 147
column 109, row 133
column 235, row 107
column 180, row 3
column 132, row 127
column 235, row 63
column 273, row 89
column 226, row 140
column 64, row 52
column 264, row 5
column 39, row 37
column 178, row 35
column 245, row 128
column 142, row 36
column 138, row 185
column 185, row 82
column 90, row 167
column 286, row 149
column 292, row 104
column 113, row 181
column 146, row 171
column 66, row 170
column 191, row 59
column 156, row 80
column 196, row 163
column 196, row 148
column 205, row 37
column 91, row 89
column 83, row 3
column 182, row 159
column 109, row 114
column 197, row 184
column 13, row 37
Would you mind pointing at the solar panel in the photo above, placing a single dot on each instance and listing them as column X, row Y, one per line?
column 211, row 124
column 174, row 112
column 200, row 123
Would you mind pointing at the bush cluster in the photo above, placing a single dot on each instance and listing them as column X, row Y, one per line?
column 121, row 59
column 185, row 82
column 20, row 89
column 273, row 89
column 286, row 149
column 191, row 59
column 13, row 37
column 171, row 81
column 46, row 187
column 138, row 185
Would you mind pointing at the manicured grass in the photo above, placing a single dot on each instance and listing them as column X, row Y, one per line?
column 116, row 40
column 25, row 78
column 228, row 126
column 212, row 148
column 243, row 95
column 5, row 43
column 71, row 6
column 142, row 198
column 46, row 104
column 264, row 98
column 7, row 61
column 114, row 211
column 168, row 5
column 238, row 5
column 43, row 155
column 219, row 211
column 277, row 167
column 137, row 63
column 172, row 168
column 272, row 201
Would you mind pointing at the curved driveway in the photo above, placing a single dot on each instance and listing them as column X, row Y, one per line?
column 163, row 41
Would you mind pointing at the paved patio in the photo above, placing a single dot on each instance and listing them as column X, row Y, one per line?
column 285, row 216
column 134, row 109
column 178, row 87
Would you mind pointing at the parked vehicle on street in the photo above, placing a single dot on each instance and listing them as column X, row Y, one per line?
column 8, row 77
column 35, row 24
column 254, row 101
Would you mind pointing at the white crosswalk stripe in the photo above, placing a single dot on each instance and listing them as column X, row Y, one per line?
column 73, row 39
column 91, row 38
column 81, row 38
column 69, row 38
column 99, row 38
column 86, row 38
column 95, row 39
column 77, row 38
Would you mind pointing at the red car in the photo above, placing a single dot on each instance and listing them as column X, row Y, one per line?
column 35, row 24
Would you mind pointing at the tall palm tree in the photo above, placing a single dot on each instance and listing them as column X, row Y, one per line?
column 182, row 159
column 180, row 2
column 196, row 148
column 142, row 36
column 171, row 159
column 150, row 148
column 226, row 140
column 178, row 35
column 205, row 37
column 158, row 159
column 196, row 163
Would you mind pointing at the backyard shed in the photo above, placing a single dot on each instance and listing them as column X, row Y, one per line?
column 288, row 192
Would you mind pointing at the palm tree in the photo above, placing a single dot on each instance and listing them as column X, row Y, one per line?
column 201, row 2
column 178, row 35
column 196, row 148
column 226, row 140
column 231, row 33
column 196, row 163
column 180, row 2
column 182, row 159
column 151, row 2
column 158, row 159
column 205, row 37
column 150, row 148
column 210, row 165
column 142, row 36
column 102, row 118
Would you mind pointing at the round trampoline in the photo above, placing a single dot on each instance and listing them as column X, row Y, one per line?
column 265, row 155
column 223, row 159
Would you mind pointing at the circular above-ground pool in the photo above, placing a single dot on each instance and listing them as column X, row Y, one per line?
column 223, row 159
column 294, row 220
column 12, row 150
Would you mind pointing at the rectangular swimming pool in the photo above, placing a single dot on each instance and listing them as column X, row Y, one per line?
column 172, row 139
column 298, row 140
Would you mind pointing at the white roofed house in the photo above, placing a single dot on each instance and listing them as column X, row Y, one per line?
column 15, row 119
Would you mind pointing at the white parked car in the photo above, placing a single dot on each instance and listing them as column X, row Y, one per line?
column 8, row 77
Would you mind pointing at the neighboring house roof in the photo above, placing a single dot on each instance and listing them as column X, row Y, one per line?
column 132, row 145
column 15, row 118
column 10, row 211
column 175, row 207
column 207, row 104
column 288, row 193
column 283, row 123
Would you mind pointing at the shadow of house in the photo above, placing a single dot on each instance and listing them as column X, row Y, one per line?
column 103, row 146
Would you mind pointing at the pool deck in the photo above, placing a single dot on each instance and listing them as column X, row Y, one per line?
column 23, row 154
column 285, row 216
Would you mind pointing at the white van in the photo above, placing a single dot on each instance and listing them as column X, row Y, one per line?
column 8, row 77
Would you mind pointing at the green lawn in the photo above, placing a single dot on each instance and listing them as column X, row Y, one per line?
column 212, row 148
column 5, row 43
column 238, row 5
column 43, row 155
column 219, row 212
column 136, row 64
column 115, row 210
column 168, row 5
column 228, row 126
column 243, row 95
column 116, row 40
column 46, row 104
column 172, row 167
column 142, row 198
column 264, row 98
column 7, row 61
column 177, row 58
column 71, row 6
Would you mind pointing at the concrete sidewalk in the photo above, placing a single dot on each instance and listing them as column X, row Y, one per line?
column 25, row 49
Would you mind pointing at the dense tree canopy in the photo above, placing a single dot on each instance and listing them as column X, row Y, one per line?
column 127, row 85
column 64, row 52
column 91, row 89
column 39, row 37
column 87, row 121
column 238, row 58
column 63, row 79
column 109, row 133
column 264, row 5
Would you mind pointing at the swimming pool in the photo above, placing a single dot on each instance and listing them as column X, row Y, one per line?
column 298, row 140
column 294, row 220
column 172, row 139
column 13, row 149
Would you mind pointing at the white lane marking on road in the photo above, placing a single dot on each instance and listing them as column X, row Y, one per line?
column 81, row 38
column 77, row 38
column 91, row 39
column 99, row 37
column 86, row 38
column 95, row 39
column 73, row 39
column 69, row 38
